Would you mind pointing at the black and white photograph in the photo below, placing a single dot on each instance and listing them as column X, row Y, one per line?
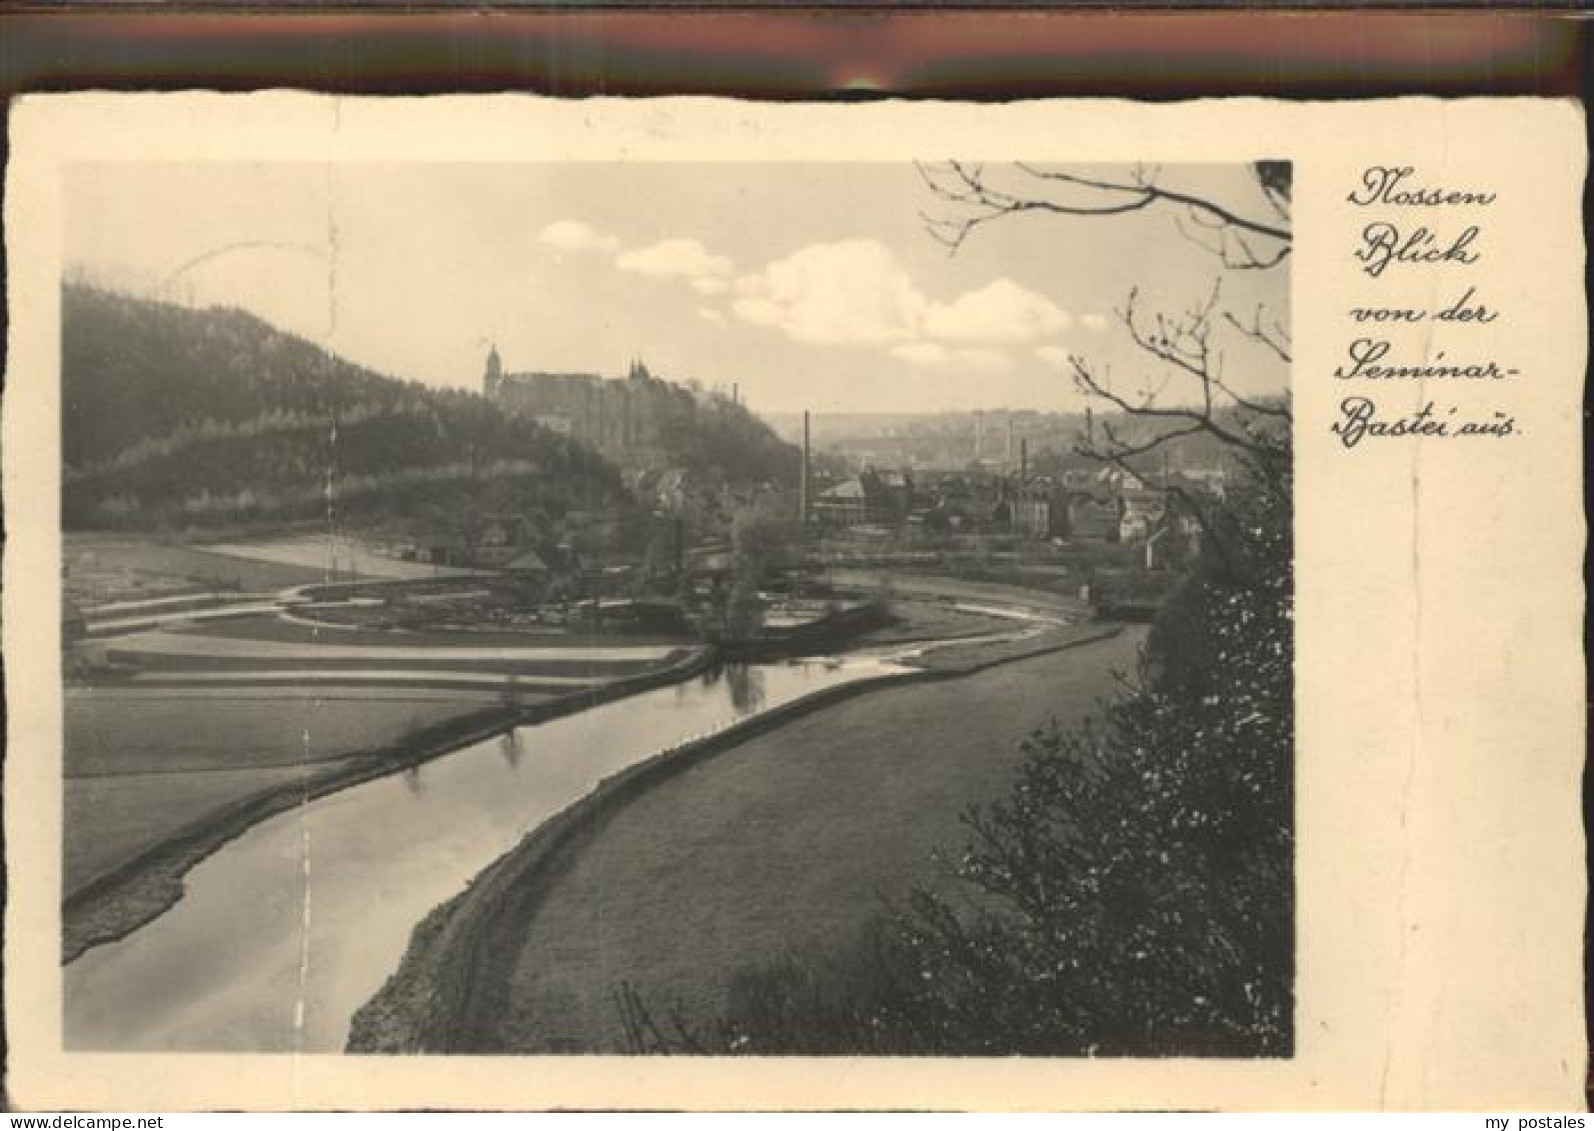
column 707, row 608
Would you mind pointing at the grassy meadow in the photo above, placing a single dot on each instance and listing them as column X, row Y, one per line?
column 140, row 767
column 135, row 733
column 111, row 819
column 102, row 568
column 785, row 844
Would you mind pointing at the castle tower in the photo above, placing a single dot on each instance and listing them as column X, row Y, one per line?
column 494, row 377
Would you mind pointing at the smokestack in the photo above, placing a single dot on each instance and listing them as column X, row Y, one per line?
column 1023, row 463
column 979, row 433
column 802, row 494
column 1012, row 433
column 736, row 393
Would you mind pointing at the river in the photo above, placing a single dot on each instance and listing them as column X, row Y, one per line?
column 284, row 932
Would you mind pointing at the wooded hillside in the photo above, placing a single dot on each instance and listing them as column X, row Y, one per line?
column 175, row 416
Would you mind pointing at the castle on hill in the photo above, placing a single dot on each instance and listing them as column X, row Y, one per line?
column 626, row 418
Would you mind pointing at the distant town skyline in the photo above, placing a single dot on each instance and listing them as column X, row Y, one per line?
column 807, row 286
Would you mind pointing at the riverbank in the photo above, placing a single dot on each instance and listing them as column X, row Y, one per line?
column 966, row 592
column 461, row 984
column 914, row 620
column 126, row 897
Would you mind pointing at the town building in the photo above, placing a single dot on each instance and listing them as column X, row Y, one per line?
column 1141, row 512
column 873, row 498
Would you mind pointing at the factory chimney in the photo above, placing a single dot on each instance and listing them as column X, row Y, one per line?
column 802, row 492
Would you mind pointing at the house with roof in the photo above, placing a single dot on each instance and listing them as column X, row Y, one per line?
column 845, row 504
column 527, row 563
column 883, row 498
column 1142, row 511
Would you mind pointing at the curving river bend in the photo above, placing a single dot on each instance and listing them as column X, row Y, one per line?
column 284, row 932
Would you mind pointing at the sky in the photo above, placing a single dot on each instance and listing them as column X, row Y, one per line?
column 807, row 286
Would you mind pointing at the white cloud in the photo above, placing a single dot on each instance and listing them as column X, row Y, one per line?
column 677, row 259
column 1095, row 323
column 573, row 235
column 856, row 293
column 710, row 315
column 708, row 285
column 848, row 293
column 758, row 311
column 1053, row 355
column 1001, row 311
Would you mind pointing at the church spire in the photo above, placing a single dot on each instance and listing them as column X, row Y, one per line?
column 494, row 376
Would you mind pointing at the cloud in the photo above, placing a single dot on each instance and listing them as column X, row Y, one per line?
column 1052, row 355
column 848, row 293
column 999, row 312
column 573, row 235
column 758, row 311
column 679, row 259
column 710, row 315
column 1095, row 323
column 856, row 293
column 934, row 353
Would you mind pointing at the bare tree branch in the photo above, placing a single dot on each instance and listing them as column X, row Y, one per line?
column 1151, row 192
column 1203, row 419
column 967, row 186
column 1184, row 343
column 1274, row 336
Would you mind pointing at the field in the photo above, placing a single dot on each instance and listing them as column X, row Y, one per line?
column 103, row 569
column 302, row 629
column 974, row 593
column 964, row 657
column 111, row 819
column 933, row 620
column 139, row 767
column 784, row 845
column 340, row 557
column 137, row 733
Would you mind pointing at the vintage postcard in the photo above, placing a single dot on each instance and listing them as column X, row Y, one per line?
column 682, row 603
